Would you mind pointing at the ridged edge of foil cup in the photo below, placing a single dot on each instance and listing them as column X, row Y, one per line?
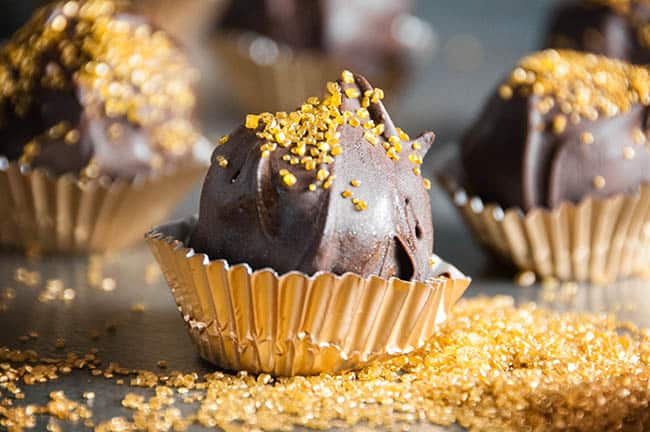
column 295, row 324
column 595, row 240
column 43, row 213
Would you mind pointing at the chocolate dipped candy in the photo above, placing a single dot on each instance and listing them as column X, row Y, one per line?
column 333, row 186
column 614, row 28
column 563, row 126
column 90, row 89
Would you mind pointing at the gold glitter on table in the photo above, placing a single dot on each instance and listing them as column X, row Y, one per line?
column 492, row 366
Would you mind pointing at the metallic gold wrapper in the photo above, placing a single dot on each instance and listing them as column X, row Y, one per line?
column 44, row 213
column 281, row 79
column 595, row 240
column 295, row 324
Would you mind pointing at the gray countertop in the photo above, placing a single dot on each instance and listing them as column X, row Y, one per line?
column 144, row 324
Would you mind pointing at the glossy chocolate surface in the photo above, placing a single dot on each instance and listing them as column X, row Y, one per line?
column 617, row 29
column 369, row 215
column 584, row 133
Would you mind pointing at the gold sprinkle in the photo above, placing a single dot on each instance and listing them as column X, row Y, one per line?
column 355, row 183
column 525, row 278
column 352, row 92
column 347, row 77
column 427, row 183
column 360, row 205
column 312, row 187
column 417, row 171
column 559, row 124
column 58, row 23
column 638, row 136
column 70, row 9
column 252, row 121
column 224, row 139
column 599, row 182
column 587, row 138
column 289, row 179
column 372, row 139
column 505, row 92
column 346, row 193
column 628, row 153
column 403, row 135
column 72, row 137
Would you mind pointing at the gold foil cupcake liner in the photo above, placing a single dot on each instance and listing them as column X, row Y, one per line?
column 44, row 213
column 595, row 240
column 293, row 324
column 266, row 76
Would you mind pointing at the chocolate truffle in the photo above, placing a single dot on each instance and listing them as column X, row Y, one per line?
column 361, row 33
column 333, row 186
column 563, row 126
column 614, row 28
column 90, row 89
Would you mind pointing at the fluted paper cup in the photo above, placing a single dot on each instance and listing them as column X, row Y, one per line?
column 279, row 78
column 44, row 213
column 295, row 324
column 595, row 240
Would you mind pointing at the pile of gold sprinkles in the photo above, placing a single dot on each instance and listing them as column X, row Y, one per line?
column 579, row 86
column 311, row 135
column 124, row 69
column 491, row 366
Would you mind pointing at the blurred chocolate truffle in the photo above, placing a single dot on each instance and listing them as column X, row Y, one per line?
column 88, row 88
column 563, row 126
column 333, row 186
column 362, row 33
column 614, row 28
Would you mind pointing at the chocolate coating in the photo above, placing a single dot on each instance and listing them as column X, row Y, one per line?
column 617, row 29
column 253, row 211
column 551, row 134
column 90, row 89
column 357, row 32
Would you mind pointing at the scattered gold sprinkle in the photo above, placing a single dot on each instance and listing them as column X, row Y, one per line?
column 289, row 179
column 72, row 137
column 427, row 183
column 138, row 307
column 355, row 183
column 587, row 138
column 525, row 278
column 629, row 153
column 417, row 171
column 346, row 193
column 312, row 187
column 638, row 136
column 559, row 123
column 224, row 139
column 599, row 182
column 505, row 92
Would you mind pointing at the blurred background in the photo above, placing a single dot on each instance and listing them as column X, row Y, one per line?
column 463, row 51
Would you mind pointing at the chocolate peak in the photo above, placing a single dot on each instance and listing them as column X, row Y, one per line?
column 333, row 186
